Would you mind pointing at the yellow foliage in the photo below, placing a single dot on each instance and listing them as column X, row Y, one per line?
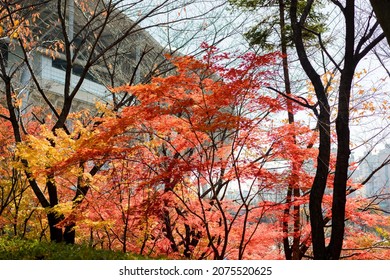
column 64, row 208
column 103, row 108
column 49, row 149
column 15, row 35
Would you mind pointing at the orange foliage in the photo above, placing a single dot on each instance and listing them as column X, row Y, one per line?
column 196, row 169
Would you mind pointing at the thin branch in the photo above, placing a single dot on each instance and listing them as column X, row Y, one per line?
column 5, row 117
column 338, row 4
column 306, row 12
column 367, row 33
column 381, row 62
column 383, row 164
column 337, row 65
column 369, row 47
column 303, row 104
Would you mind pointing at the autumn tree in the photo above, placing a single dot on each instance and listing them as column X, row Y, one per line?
column 274, row 32
column 313, row 37
column 189, row 179
column 354, row 51
column 182, row 157
column 103, row 42
column 189, row 168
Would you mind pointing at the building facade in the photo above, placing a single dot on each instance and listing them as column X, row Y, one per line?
column 376, row 166
column 108, row 49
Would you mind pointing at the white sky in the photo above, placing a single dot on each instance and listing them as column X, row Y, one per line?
column 220, row 23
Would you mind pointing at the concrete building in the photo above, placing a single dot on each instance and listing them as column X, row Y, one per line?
column 123, row 53
column 378, row 185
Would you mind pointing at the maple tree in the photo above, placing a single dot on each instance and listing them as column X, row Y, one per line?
column 310, row 28
column 171, row 160
column 198, row 163
column 262, row 35
column 183, row 144
column 92, row 48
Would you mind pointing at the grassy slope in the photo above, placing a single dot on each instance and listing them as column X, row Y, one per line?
column 16, row 249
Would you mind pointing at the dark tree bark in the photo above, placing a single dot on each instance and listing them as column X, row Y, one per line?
column 353, row 53
column 343, row 136
column 291, row 251
column 321, row 176
column 355, row 49
column 382, row 11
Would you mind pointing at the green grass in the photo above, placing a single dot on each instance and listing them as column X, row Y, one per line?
column 17, row 249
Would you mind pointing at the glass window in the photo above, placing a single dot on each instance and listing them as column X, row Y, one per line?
column 59, row 64
column 77, row 69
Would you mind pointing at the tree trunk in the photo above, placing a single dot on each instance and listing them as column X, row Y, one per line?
column 382, row 11
column 55, row 232
column 291, row 252
column 319, row 184
column 70, row 233
column 323, row 158
column 343, row 137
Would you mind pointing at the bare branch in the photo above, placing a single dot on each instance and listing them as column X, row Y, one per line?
column 305, row 103
column 369, row 47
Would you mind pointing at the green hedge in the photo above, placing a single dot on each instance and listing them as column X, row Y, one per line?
column 17, row 249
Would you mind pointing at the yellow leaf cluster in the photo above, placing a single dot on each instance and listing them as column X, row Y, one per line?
column 65, row 208
column 49, row 149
